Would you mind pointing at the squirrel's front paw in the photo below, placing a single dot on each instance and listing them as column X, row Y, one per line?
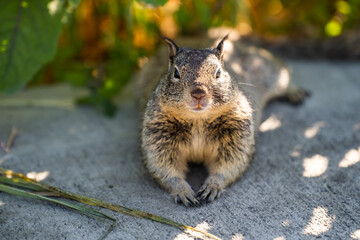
column 183, row 193
column 211, row 189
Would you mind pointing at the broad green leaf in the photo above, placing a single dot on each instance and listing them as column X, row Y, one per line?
column 29, row 33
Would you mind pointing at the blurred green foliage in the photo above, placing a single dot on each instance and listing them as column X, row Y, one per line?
column 29, row 33
column 104, row 41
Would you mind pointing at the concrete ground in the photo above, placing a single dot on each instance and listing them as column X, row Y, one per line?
column 303, row 183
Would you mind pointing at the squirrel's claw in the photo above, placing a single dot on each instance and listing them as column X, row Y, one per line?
column 208, row 193
column 188, row 201
column 183, row 193
column 211, row 189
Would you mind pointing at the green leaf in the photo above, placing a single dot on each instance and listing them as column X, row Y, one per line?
column 29, row 33
column 154, row 3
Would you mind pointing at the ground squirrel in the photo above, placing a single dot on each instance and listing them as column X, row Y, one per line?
column 205, row 109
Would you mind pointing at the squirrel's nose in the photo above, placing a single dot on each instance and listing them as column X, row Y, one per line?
column 198, row 94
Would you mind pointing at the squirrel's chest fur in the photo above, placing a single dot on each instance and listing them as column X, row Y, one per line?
column 200, row 140
column 200, row 147
column 169, row 138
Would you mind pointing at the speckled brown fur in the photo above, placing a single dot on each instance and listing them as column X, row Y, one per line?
column 203, row 111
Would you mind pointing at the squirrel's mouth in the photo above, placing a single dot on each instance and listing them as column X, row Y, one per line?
column 199, row 106
column 198, row 109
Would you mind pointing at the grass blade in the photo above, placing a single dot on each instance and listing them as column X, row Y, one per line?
column 111, row 227
column 99, row 203
column 84, row 210
column 13, row 134
column 21, row 183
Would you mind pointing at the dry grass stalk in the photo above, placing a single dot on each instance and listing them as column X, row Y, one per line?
column 19, row 180
column 10, row 142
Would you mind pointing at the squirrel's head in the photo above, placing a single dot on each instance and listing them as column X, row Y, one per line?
column 196, row 81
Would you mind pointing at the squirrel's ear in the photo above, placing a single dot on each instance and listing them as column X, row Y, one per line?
column 173, row 48
column 219, row 50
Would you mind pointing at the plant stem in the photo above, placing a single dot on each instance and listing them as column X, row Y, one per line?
column 103, row 204
column 13, row 134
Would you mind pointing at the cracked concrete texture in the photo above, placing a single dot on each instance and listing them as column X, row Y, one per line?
column 303, row 182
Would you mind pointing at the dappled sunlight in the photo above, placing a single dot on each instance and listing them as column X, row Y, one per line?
column 272, row 123
column 296, row 151
column 38, row 176
column 8, row 174
column 351, row 157
column 356, row 235
column 190, row 235
column 320, row 222
column 142, row 61
column 256, row 62
column 315, row 166
column 284, row 78
column 279, row 238
column 238, row 236
column 313, row 130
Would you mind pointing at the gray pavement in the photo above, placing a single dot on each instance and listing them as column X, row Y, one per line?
column 303, row 183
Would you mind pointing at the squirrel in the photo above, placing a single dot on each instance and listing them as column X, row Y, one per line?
column 205, row 109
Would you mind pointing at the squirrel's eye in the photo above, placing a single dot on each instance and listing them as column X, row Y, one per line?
column 218, row 73
column 176, row 73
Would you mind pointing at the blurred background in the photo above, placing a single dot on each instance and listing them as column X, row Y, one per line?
column 105, row 41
